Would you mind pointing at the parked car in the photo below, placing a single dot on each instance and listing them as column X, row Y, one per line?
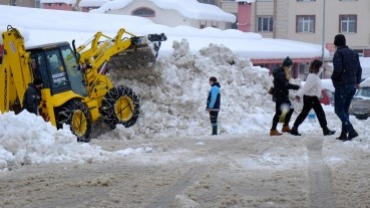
column 327, row 97
column 360, row 106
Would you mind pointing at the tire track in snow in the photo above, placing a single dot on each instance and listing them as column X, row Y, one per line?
column 319, row 177
column 167, row 198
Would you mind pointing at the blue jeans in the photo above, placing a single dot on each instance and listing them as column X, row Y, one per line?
column 342, row 100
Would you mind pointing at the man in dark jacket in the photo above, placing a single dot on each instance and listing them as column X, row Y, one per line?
column 346, row 78
column 32, row 96
column 214, row 103
column 281, row 96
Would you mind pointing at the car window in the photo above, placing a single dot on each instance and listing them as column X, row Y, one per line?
column 364, row 92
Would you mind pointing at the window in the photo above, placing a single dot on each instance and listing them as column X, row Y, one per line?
column 347, row 23
column 306, row 0
column 305, row 24
column 143, row 12
column 235, row 25
column 73, row 71
column 265, row 24
column 59, row 81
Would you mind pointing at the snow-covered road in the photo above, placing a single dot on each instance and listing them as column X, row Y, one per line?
column 224, row 171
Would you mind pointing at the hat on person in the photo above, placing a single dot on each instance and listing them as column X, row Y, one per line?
column 37, row 81
column 340, row 40
column 287, row 61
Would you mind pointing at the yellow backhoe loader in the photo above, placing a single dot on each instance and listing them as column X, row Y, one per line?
column 76, row 90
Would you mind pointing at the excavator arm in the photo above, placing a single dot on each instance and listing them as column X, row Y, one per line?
column 101, row 51
column 125, row 49
column 15, row 71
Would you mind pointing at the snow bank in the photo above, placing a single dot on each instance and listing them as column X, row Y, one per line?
column 173, row 94
column 26, row 139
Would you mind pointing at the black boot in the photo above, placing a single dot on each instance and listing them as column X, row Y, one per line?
column 343, row 137
column 328, row 132
column 214, row 130
column 294, row 131
column 352, row 135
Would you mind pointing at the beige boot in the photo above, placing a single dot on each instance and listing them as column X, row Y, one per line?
column 286, row 128
column 274, row 132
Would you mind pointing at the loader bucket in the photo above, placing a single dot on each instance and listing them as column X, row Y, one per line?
column 142, row 52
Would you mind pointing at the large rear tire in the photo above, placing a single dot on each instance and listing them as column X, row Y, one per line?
column 120, row 106
column 75, row 114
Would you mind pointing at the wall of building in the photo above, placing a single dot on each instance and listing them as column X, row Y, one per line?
column 58, row 6
column 22, row 3
column 358, row 40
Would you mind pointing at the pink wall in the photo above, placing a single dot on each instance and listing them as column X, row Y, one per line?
column 244, row 16
column 58, row 6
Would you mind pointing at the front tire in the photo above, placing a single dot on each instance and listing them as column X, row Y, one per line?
column 75, row 114
column 120, row 106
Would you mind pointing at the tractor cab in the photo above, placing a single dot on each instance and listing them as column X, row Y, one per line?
column 57, row 66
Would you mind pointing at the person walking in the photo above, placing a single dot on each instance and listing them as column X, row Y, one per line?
column 346, row 78
column 32, row 96
column 214, row 103
column 281, row 96
column 311, row 92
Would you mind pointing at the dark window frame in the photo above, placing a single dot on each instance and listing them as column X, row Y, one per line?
column 270, row 23
column 150, row 12
column 312, row 17
column 348, row 27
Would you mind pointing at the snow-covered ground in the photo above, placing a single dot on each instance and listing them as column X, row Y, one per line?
column 168, row 160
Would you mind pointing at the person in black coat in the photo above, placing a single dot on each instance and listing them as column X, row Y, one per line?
column 214, row 103
column 281, row 96
column 346, row 78
column 32, row 96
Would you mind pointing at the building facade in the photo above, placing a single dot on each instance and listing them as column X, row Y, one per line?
column 22, row 3
column 313, row 21
column 303, row 20
column 67, row 5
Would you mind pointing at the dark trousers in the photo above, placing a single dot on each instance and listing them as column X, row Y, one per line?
column 342, row 100
column 213, row 115
column 279, row 111
column 310, row 102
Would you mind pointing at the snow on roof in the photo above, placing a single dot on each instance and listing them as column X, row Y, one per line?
column 92, row 3
column 112, row 5
column 67, row 25
column 188, row 8
column 58, row 1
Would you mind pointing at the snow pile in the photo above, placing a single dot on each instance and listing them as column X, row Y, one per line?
column 26, row 139
column 173, row 94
